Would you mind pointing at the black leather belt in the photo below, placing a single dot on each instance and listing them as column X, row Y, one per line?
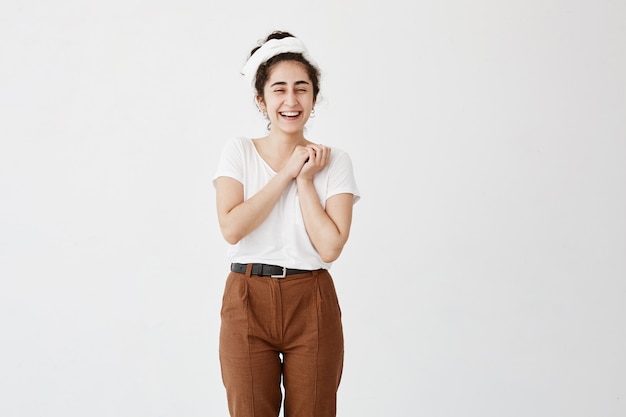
column 273, row 271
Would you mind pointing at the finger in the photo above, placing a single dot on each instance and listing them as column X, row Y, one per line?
column 312, row 154
column 326, row 156
column 313, row 148
column 322, row 154
column 302, row 153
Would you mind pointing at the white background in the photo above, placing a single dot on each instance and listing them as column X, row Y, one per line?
column 486, row 271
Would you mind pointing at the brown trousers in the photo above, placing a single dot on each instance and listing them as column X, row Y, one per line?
column 296, row 317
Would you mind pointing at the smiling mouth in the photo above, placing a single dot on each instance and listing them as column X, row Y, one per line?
column 290, row 113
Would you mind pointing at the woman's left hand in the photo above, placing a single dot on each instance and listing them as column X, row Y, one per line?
column 319, row 155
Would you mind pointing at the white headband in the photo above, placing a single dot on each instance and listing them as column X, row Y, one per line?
column 270, row 49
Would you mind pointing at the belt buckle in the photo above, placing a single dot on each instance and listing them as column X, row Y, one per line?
column 280, row 276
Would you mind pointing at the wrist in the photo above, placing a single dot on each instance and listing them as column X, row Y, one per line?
column 304, row 181
column 282, row 177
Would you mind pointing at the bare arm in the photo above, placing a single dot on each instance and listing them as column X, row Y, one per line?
column 237, row 218
column 327, row 228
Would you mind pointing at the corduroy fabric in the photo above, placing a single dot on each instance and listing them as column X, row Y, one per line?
column 297, row 317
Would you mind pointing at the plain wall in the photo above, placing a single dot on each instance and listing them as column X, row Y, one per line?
column 486, row 271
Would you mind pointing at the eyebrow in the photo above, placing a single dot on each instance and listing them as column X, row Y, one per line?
column 284, row 83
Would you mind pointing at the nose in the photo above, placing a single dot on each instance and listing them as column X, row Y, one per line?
column 290, row 98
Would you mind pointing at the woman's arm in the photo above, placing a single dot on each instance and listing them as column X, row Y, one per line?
column 327, row 228
column 237, row 218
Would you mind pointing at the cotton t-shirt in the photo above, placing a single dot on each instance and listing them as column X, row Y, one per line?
column 282, row 238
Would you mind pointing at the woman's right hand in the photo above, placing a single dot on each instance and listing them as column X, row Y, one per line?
column 296, row 161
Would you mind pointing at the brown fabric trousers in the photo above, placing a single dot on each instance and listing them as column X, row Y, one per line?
column 297, row 317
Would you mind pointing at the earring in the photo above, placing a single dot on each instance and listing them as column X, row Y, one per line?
column 312, row 113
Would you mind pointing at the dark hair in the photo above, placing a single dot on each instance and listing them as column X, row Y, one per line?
column 263, row 72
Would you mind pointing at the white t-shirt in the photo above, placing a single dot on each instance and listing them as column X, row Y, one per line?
column 282, row 238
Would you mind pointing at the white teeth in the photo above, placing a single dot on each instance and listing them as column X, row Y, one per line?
column 290, row 113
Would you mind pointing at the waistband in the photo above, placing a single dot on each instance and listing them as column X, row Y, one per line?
column 273, row 271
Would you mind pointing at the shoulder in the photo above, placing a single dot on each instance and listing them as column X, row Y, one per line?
column 239, row 142
column 339, row 156
column 236, row 145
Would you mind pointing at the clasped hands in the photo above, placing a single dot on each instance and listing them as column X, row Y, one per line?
column 306, row 161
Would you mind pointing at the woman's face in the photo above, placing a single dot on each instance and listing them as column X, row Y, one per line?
column 288, row 97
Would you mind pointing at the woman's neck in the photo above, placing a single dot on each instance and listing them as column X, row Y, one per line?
column 285, row 142
column 276, row 148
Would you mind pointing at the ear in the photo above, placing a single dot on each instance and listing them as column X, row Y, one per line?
column 260, row 103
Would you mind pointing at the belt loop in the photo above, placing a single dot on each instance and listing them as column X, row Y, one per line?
column 314, row 272
column 248, row 270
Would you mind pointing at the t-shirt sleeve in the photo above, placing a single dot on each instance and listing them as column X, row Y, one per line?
column 341, row 179
column 230, row 163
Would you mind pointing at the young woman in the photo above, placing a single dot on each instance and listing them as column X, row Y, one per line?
column 284, row 205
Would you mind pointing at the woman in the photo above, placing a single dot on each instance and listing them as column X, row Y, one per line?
column 284, row 204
